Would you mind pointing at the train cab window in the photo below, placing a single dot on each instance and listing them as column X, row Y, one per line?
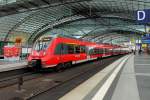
column 42, row 44
column 70, row 49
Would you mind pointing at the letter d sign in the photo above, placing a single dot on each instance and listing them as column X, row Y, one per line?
column 140, row 15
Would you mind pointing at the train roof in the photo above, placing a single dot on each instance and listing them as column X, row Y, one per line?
column 82, row 42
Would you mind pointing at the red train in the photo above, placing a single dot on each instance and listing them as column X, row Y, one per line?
column 58, row 51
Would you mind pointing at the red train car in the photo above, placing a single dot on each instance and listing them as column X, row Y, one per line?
column 57, row 52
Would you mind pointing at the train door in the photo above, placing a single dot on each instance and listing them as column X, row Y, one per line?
column 87, row 53
column 64, row 56
column 83, row 52
column 80, row 54
column 67, row 53
column 103, row 54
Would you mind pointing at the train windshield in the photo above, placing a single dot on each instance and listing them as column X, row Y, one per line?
column 42, row 44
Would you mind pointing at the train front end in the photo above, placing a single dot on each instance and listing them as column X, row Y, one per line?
column 39, row 54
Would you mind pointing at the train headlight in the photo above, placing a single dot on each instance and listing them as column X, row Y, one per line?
column 37, row 54
column 32, row 53
column 44, row 53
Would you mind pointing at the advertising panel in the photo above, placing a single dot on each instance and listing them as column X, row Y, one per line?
column 11, row 53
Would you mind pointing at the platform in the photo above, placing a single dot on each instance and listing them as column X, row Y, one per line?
column 134, row 81
column 8, row 66
column 97, row 86
column 131, row 80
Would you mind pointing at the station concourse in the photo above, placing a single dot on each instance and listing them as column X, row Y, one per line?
column 74, row 50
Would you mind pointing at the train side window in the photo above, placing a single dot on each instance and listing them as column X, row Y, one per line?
column 83, row 49
column 114, row 50
column 106, row 50
column 101, row 51
column 58, row 49
column 70, row 49
column 110, row 50
column 77, row 49
column 64, row 49
column 91, row 51
column 95, row 51
column 61, row 49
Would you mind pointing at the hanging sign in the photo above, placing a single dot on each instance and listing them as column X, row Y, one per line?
column 143, row 16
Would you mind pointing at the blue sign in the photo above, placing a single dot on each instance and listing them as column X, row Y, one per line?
column 146, row 41
column 147, row 35
column 143, row 16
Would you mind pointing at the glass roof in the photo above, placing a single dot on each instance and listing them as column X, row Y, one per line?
column 79, row 18
column 4, row 2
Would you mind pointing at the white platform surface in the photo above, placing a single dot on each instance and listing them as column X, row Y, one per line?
column 12, row 66
column 126, row 88
column 80, row 92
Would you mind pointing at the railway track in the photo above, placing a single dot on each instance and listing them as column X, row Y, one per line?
column 56, row 79
column 12, row 80
column 87, row 73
